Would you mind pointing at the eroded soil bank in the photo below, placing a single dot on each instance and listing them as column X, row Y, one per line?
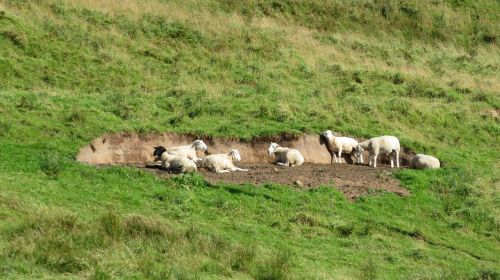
column 135, row 148
column 353, row 180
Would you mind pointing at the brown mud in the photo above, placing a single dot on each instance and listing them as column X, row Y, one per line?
column 352, row 180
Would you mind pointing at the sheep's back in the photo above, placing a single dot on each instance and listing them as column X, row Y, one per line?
column 211, row 161
column 184, row 151
column 294, row 156
column 385, row 143
column 347, row 143
column 421, row 161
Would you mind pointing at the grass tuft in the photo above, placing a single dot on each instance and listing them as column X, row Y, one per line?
column 52, row 163
column 112, row 225
column 276, row 268
column 139, row 226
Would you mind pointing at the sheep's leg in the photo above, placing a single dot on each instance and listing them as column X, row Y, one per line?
column 360, row 159
column 165, row 165
column 375, row 160
column 335, row 157
column 217, row 170
column 331, row 157
column 392, row 161
column 340, row 155
column 370, row 160
column 397, row 159
column 238, row 169
column 283, row 164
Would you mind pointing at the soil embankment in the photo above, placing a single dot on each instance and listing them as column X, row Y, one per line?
column 352, row 180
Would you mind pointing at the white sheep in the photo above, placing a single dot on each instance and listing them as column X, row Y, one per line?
column 222, row 163
column 189, row 151
column 338, row 145
column 174, row 163
column 285, row 156
column 421, row 161
column 382, row 144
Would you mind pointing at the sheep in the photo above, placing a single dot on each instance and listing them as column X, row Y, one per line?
column 382, row 144
column 189, row 151
column 285, row 156
column 222, row 163
column 174, row 163
column 421, row 161
column 338, row 144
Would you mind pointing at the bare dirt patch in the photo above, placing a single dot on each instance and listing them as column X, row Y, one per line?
column 353, row 180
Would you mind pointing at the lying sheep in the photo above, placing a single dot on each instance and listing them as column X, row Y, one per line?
column 421, row 161
column 336, row 144
column 222, row 163
column 189, row 151
column 285, row 156
column 174, row 163
column 382, row 144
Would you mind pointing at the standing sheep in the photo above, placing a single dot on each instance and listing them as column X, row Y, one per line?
column 421, row 161
column 222, row 163
column 189, row 151
column 285, row 156
column 174, row 163
column 338, row 144
column 382, row 144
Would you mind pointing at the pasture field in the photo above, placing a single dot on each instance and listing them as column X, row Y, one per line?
column 424, row 71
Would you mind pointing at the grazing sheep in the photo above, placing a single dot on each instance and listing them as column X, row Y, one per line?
column 285, row 156
column 421, row 161
column 222, row 163
column 174, row 163
column 338, row 144
column 382, row 144
column 189, row 151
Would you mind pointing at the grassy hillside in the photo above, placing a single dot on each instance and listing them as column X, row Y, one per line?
column 425, row 71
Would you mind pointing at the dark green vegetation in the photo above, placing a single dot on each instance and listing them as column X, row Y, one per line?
column 425, row 71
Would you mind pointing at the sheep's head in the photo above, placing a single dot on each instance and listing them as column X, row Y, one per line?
column 358, row 151
column 200, row 145
column 272, row 148
column 235, row 155
column 159, row 150
column 322, row 140
column 328, row 134
column 325, row 137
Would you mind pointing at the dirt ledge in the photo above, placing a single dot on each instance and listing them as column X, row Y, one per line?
column 353, row 180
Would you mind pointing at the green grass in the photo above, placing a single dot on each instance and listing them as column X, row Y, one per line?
column 70, row 71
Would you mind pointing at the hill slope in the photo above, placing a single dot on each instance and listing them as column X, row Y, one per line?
column 425, row 71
